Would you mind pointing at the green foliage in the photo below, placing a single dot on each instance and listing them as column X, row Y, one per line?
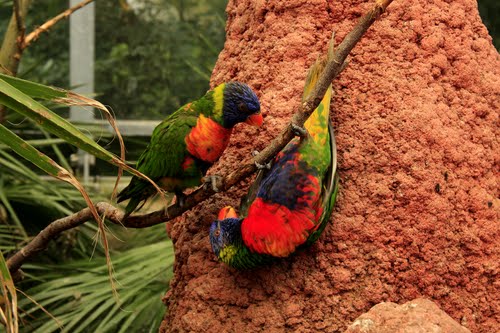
column 8, row 311
column 144, row 69
column 19, row 95
column 75, row 291
column 78, row 294
column 28, row 201
column 160, row 58
column 31, row 198
column 46, row 61
column 490, row 14
column 20, row 185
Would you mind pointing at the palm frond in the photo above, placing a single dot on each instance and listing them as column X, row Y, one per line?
column 78, row 295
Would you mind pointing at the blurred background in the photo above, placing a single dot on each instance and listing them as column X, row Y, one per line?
column 149, row 57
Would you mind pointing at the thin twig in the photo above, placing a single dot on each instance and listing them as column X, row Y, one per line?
column 47, row 25
column 336, row 62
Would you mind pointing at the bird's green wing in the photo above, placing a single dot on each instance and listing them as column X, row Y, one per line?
column 330, row 190
column 162, row 158
column 167, row 149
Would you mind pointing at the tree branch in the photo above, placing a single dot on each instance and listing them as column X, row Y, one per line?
column 15, row 42
column 32, row 36
column 334, row 65
column 40, row 241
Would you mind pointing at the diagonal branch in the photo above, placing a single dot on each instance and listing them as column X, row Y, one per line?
column 334, row 65
column 32, row 36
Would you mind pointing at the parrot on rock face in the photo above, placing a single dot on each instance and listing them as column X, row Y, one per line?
column 293, row 200
column 186, row 143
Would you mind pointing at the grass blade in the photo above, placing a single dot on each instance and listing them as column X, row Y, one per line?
column 9, row 311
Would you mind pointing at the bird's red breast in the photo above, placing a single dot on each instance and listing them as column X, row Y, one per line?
column 274, row 229
column 207, row 140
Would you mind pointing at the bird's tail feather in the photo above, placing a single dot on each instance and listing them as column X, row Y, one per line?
column 137, row 191
column 131, row 206
column 317, row 123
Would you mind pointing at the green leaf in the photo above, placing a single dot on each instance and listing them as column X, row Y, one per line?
column 39, row 142
column 33, row 89
column 77, row 294
column 20, row 102
column 12, row 213
column 18, row 95
column 52, row 168
column 30, row 153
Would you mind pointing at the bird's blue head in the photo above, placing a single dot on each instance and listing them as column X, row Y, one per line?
column 225, row 235
column 240, row 105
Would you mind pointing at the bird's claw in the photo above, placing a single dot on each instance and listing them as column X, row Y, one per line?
column 299, row 131
column 263, row 166
column 212, row 180
column 258, row 165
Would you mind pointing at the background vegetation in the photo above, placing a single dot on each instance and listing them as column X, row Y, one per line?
column 160, row 56
column 490, row 14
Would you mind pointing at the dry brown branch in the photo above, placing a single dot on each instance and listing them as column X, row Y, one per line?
column 335, row 64
column 40, row 241
column 47, row 25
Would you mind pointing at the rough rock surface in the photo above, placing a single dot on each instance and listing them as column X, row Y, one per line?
column 416, row 115
column 417, row 316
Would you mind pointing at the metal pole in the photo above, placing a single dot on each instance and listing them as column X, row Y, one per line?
column 82, row 69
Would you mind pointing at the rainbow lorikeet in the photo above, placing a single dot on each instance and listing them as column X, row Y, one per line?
column 293, row 200
column 186, row 143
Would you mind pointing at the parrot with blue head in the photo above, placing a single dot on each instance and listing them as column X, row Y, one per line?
column 187, row 142
column 289, row 205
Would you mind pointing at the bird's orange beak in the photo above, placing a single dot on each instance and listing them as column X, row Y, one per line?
column 226, row 213
column 255, row 120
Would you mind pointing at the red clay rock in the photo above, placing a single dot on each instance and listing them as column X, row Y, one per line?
column 416, row 117
column 417, row 316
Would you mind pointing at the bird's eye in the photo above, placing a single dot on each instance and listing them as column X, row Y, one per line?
column 243, row 107
column 217, row 233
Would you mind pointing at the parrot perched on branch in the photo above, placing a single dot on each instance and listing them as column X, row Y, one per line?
column 190, row 140
column 293, row 200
